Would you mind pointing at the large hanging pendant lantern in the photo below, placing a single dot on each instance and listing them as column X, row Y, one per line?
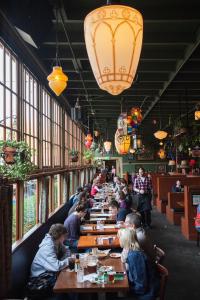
column 160, row 134
column 107, row 146
column 197, row 115
column 122, row 143
column 57, row 80
column 113, row 37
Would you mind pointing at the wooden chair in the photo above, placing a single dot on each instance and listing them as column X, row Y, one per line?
column 163, row 281
column 160, row 254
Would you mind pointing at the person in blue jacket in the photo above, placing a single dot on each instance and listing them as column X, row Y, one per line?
column 143, row 281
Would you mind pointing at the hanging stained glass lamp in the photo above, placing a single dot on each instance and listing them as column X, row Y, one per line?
column 113, row 37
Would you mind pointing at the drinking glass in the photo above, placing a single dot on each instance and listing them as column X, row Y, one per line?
column 111, row 277
column 80, row 275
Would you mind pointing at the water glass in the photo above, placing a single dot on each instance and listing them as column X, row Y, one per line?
column 80, row 275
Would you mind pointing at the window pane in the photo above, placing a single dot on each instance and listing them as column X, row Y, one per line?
column 30, row 188
column 8, row 75
column 1, row 63
column 14, row 203
column 14, row 75
column 56, row 191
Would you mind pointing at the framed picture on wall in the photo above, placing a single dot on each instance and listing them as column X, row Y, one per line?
column 161, row 169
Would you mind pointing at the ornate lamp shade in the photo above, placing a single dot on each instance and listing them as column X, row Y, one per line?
column 88, row 141
column 107, row 146
column 57, row 80
column 122, row 123
column 113, row 37
column 137, row 142
column 160, row 134
column 161, row 154
column 122, row 143
column 171, row 163
column 197, row 115
column 96, row 133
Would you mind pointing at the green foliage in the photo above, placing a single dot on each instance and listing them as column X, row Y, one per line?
column 73, row 152
column 88, row 154
column 22, row 165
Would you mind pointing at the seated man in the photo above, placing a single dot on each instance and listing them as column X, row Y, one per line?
column 177, row 188
column 118, row 213
column 134, row 220
column 51, row 257
column 73, row 224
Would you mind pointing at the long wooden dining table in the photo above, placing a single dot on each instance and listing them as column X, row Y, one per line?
column 94, row 229
column 67, row 281
column 98, row 241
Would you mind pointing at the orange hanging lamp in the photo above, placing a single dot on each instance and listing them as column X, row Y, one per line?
column 57, row 79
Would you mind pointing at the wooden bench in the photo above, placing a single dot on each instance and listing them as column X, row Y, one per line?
column 24, row 253
column 175, row 208
column 187, row 221
column 164, row 185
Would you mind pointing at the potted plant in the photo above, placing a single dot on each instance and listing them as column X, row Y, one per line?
column 15, row 161
column 88, row 155
column 74, row 155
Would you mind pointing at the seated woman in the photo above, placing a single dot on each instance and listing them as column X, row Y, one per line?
column 51, row 257
column 142, row 278
column 96, row 187
column 72, row 225
column 177, row 188
column 118, row 213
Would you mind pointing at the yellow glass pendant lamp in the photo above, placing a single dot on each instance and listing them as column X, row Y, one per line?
column 113, row 37
column 57, row 80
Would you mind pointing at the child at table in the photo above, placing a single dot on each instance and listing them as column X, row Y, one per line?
column 142, row 277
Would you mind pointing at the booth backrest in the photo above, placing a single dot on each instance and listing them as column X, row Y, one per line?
column 23, row 254
column 164, row 184
column 174, row 198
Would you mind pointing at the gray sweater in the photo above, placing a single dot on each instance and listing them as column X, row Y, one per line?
column 46, row 259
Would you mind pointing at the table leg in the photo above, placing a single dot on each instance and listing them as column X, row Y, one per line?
column 102, row 296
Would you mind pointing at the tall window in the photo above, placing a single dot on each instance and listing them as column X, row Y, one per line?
column 66, row 140
column 56, row 134
column 14, row 213
column 8, row 95
column 46, row 129
column 30, row 192
column 30, row 98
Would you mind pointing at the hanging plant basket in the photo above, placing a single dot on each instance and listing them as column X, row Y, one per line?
column 9, row 154
column 15, row 158
column 88, row 161
column 74, row 158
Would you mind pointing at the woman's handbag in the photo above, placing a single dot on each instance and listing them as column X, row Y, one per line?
column 41, row 285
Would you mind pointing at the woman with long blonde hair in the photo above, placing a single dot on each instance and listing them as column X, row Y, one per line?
column 142, row 277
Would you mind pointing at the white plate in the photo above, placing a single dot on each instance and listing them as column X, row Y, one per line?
column 115, row 255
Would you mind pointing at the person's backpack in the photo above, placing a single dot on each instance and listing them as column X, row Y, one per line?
column 197, row 219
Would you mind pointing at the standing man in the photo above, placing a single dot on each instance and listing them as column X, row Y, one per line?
column 142, row 186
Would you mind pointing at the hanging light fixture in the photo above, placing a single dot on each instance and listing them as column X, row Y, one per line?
column 137, row 142
column 107, row 143
column 162, row 154
column 113, row 37
column 160, row 134
column 197, row 112
column 122, row 143
column 57, row 79
column 107, row 146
